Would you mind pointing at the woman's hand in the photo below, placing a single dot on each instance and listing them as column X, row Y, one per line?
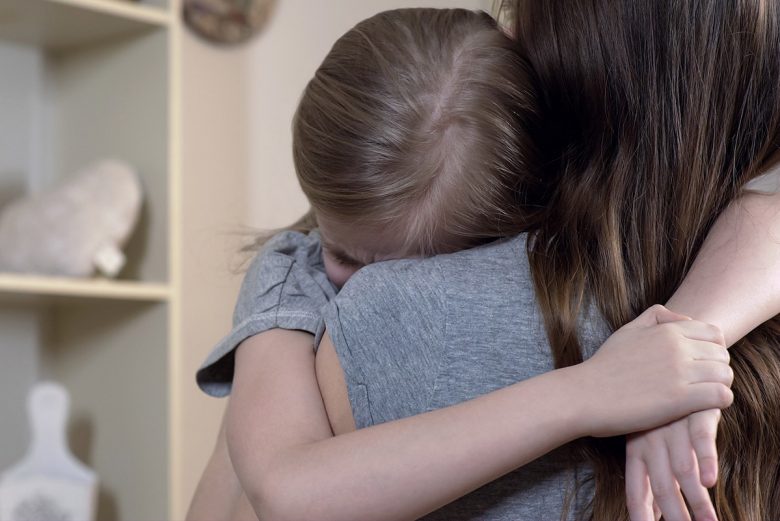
column 655, row 369
column 666, row 463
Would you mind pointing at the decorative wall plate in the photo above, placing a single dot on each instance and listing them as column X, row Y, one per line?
column 226, row 21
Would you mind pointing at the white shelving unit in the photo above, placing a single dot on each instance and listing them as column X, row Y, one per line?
column 82, row 80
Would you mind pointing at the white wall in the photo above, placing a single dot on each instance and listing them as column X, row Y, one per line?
column 281, row 62
column 214, row 181
column 20, row 101
column 21, row 96
column 19, row 351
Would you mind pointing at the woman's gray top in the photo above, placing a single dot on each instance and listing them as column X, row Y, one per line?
column 417, row 335
column 414, row 336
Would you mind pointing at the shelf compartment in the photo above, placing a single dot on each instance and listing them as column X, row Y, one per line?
column 61, row 25
column 13, row 284
column 112, row 356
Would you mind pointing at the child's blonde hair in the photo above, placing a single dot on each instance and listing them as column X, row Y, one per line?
column 417, row 122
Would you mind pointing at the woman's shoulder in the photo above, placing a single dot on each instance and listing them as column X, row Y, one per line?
column 433, row 274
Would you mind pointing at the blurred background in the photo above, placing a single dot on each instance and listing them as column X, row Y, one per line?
column 120, row 299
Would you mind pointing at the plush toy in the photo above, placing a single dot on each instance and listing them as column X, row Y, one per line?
column 75, row 229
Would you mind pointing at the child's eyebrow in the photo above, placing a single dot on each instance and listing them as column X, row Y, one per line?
column 340, row 255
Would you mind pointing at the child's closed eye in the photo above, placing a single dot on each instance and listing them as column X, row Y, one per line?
column 342, row 259
column 347, row 261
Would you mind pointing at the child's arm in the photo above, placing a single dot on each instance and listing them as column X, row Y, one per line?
column 218, row 495
column 218, row 490
column 735, row 284
column 735, row 280
column 291, row 466
column 284, row 287
column 243, row 511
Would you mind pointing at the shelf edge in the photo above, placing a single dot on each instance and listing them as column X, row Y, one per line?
column 135, row 12
column 88, row 288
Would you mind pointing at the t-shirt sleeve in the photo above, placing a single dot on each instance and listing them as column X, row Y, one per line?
column 387, row 325
column 285, row 287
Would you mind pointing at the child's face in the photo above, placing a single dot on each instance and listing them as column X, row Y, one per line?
column 347, row 248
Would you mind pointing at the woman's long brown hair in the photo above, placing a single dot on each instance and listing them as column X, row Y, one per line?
column 656, row 114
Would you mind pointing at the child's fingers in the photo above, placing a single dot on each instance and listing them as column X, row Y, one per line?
column 686, row 470
column 709, row 371
column 666, row 490
column 703, row 430
column 701, row 350
column 657, row 511
column 655, row 315
column 696, row 330
column 639, row 497
column 707, row 395
column 662, row 314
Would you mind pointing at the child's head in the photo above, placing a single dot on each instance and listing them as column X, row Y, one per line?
column 412, row 137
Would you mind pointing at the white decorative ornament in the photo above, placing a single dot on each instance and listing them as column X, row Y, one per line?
column 49, row 483
column 75, row 229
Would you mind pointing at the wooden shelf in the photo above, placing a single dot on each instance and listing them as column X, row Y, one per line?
column 121, row 9
column 12, row 284
column 60, row 25
column 82, row 80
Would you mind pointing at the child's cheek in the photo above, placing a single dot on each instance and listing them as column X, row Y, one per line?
column 337, row 273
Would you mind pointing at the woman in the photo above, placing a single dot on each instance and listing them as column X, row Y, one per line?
column 399, row 276
column 663, row 133
column 646, row 109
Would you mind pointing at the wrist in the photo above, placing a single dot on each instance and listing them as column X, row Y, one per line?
column 572, row 401
column 580, row 403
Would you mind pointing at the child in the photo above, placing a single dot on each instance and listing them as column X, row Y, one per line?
column 415, row 149
column 412, row 140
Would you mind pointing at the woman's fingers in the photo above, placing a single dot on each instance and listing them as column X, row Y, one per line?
column 686, row 471
column 703, row 430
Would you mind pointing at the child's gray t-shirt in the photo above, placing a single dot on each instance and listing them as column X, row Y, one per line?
column 285, row 287
column 418, row 335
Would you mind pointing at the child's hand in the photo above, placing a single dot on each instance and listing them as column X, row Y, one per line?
column 666, row 463
column 649, row 373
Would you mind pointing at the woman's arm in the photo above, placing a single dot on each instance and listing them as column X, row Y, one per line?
column 734, row 284
column 292, row 468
